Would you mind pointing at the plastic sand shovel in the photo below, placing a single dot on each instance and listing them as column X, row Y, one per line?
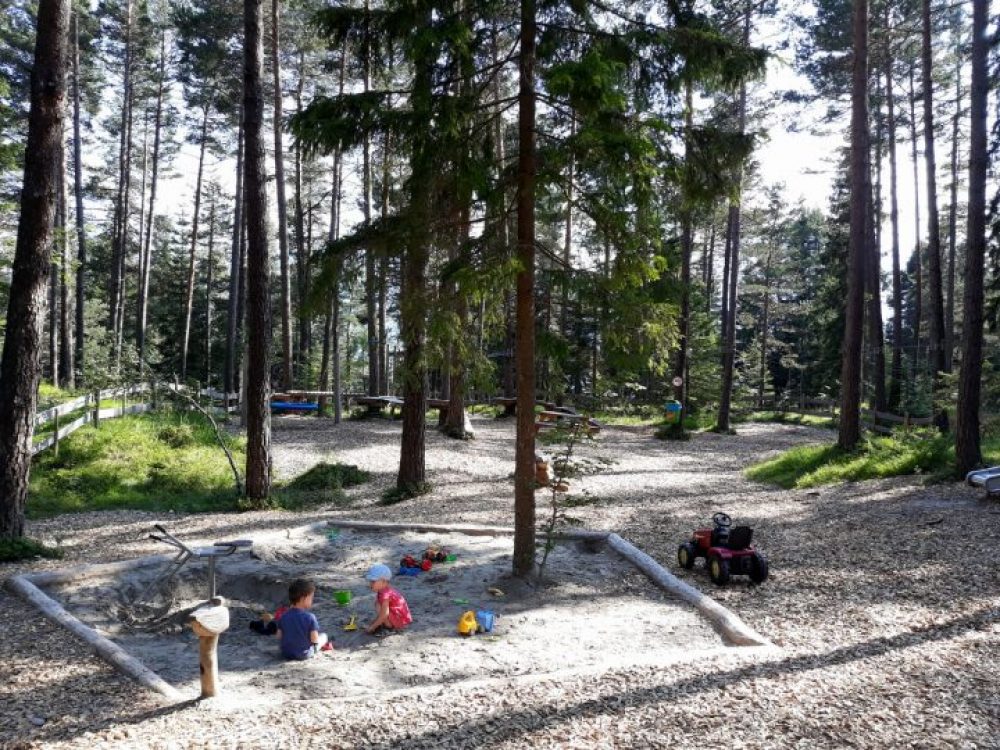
column 495, row 591
column 352, row 625
column 460, row 601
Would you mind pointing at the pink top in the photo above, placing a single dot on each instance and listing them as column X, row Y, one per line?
column 399, row 611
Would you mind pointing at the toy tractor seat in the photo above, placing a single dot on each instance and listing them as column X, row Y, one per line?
column 739, row 538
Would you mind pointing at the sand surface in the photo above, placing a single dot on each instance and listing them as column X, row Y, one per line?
column 592, row 610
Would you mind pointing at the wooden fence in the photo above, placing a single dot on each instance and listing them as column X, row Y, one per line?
column 93, row 414
column 883, row 422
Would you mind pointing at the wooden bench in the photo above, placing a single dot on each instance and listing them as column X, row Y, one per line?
column 294, row 406
column 377, row 403
column 567, row 416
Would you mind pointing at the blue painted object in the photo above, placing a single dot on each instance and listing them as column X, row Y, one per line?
column 409, row 571
column 294, row 406
column 485, row 619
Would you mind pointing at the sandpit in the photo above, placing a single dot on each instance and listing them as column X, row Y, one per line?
column 593, row 611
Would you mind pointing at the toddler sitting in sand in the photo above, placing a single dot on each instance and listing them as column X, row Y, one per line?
column 298, row 628
column 391, row 609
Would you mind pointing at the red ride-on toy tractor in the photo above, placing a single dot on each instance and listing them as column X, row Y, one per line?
column 727, row 551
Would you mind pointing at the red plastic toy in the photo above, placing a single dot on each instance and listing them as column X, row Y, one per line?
column 727, row 551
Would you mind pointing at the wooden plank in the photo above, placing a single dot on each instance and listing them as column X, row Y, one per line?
column 468, row 530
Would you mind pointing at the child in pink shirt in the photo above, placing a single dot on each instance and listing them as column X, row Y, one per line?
column 391, row 609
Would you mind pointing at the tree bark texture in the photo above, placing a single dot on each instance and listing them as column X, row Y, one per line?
column 735, row 209
column 937, row 329
column 524, row 454
column 81, row 236
column 19, row 373
column 258, row 313
column 279, row 185
column 967, row 447
column 850, row 372
column 233, row 309
column 896, row 370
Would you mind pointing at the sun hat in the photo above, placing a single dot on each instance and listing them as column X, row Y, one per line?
column 378, row 572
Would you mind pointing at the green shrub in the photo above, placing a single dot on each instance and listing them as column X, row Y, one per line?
column 395, row 495
column 325, row 476
column 13, row 550
column 176, row 435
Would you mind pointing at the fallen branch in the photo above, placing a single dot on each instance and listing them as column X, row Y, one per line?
column 237, row 477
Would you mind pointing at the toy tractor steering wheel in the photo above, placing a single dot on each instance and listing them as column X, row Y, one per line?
column 722, row 520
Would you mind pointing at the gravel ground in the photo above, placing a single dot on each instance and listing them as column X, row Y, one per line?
column 884, row 599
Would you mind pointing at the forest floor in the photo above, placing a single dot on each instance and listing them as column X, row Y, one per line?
column 884, row 601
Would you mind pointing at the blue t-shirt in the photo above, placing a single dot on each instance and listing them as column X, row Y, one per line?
column 295, row 626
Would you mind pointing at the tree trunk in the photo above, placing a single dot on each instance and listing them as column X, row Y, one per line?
column 967, row 448
column 411, row 479
column 146, row 250
column 366, row 207
column 919, row 265
column 709, row 263
column 258, row 411
column 455, row 418
column 19, row 371
column 233, row 309
column 331, row 324
column 762, row 386
column 873, row 284
column 850, row 372
column 120, row 238
column 189, row 289
column 59, row 229
column 896, row 379
column 279, row 184
column 66, row 373
column 524, row 464
column 933, row 223
column 208, row 294
column 949, row 313
column 383, row 281
column 687, row 248
column 301, row 249
column 81, row 236
column 729, row 345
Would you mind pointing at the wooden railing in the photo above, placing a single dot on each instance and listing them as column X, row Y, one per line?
column 883, row 422
column 93, row 413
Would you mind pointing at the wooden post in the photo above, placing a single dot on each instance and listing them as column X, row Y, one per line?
column 208, row 622
column 97, row 409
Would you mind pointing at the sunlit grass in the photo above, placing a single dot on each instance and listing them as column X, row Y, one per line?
column 158, row 462
column 915, row 452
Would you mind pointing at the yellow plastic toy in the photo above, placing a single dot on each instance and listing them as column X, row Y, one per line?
column 352, row 625
column 467, row 623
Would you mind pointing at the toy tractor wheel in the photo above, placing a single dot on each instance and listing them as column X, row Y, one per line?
column 718, row 570
column 686, row 555
column 758, row 568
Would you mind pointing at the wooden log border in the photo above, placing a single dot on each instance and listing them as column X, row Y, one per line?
column 27, row 586
column 111, row 652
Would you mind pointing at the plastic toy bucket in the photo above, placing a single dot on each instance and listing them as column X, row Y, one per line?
column 342, row 597
column 485, row 619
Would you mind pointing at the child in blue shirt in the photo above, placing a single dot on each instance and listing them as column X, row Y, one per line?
column 298, row 628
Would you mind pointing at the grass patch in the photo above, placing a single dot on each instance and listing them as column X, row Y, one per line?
column 13, row 550
column 164, row 461
column 397, row 494
column 157, row 461
column 784, row 417
column 914, row 452
column 323, row 484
